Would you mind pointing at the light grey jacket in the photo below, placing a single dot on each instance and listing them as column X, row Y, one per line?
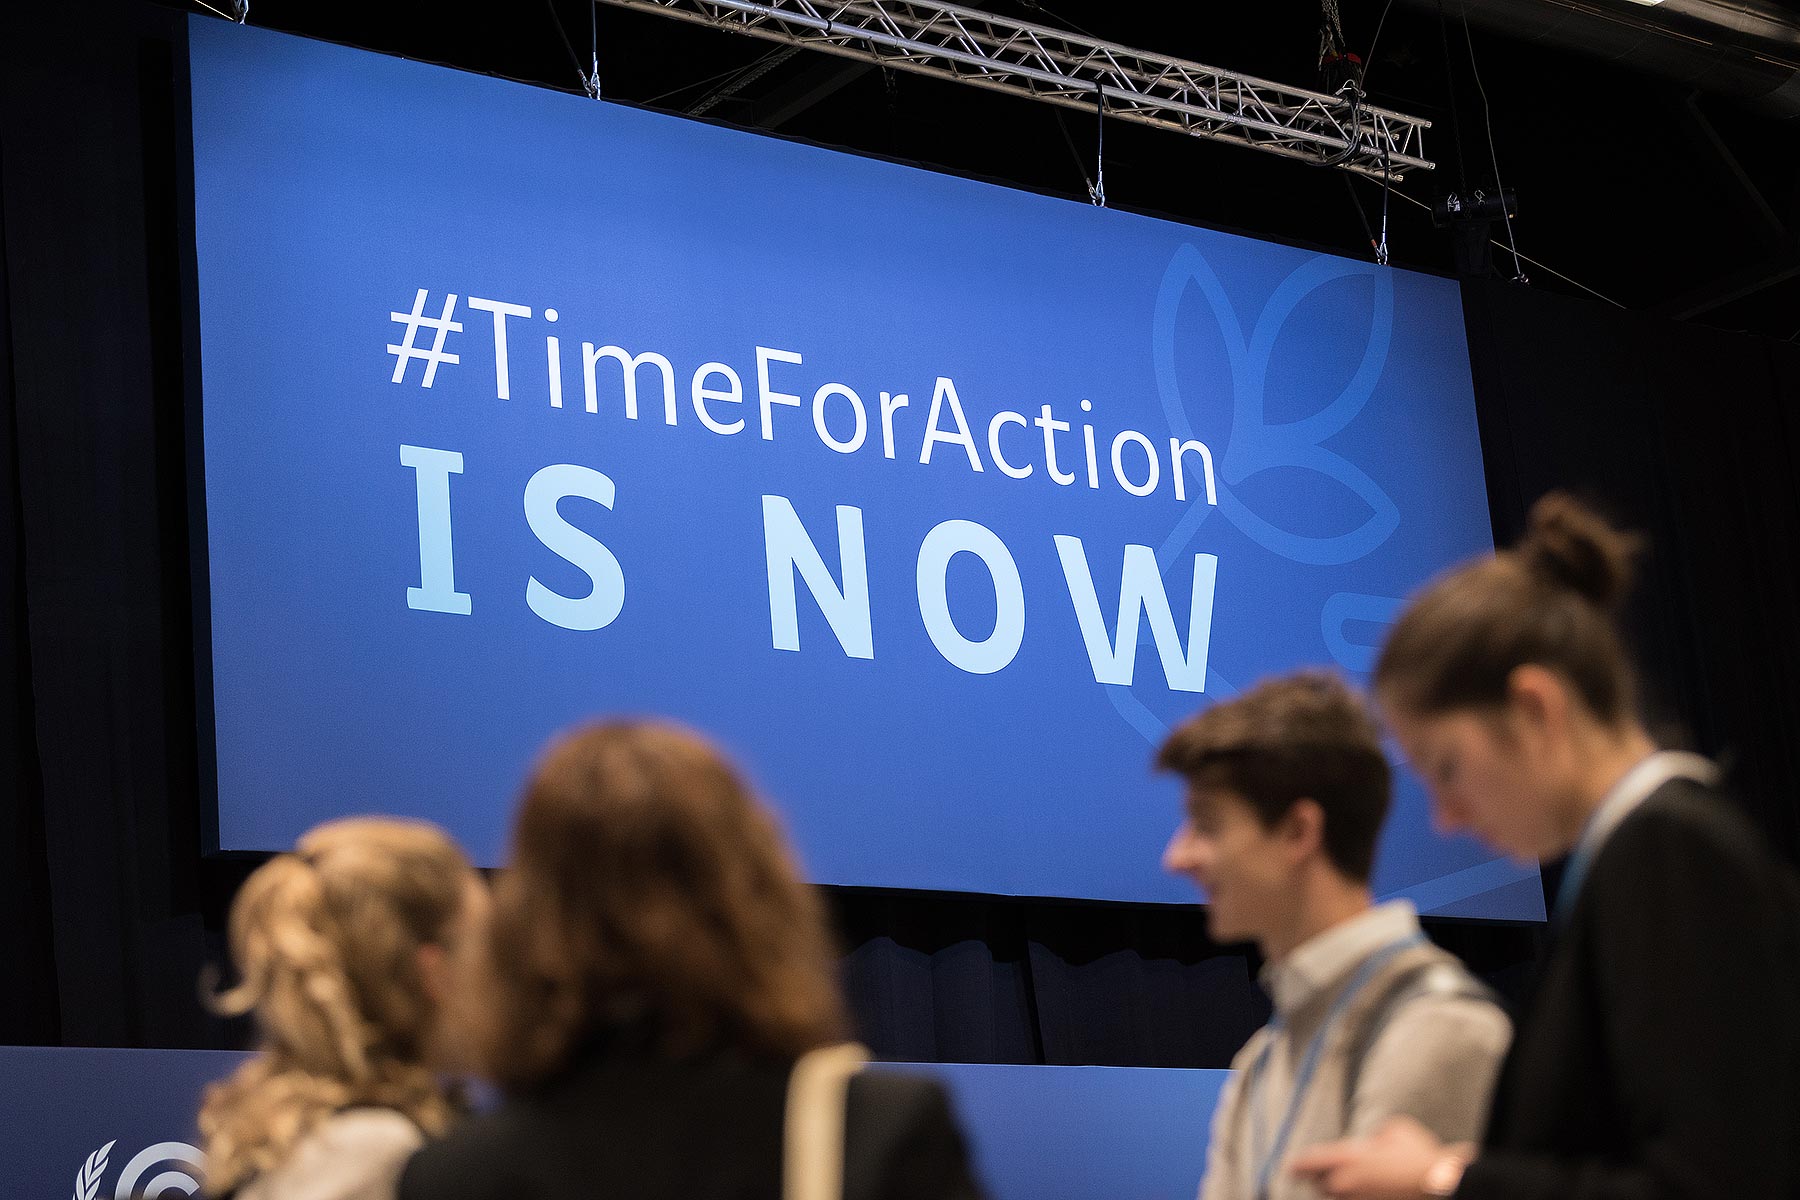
column 1418, row 1037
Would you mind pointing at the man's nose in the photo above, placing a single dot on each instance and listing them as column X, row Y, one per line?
column 1185, row 853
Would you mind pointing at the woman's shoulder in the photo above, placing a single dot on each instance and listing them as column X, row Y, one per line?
column 1700, row 819
column 369, row 1130
column 476, row 1158
column 895, row 1094
column 1690, row 847
column 356, row 1154
column 901, row 1139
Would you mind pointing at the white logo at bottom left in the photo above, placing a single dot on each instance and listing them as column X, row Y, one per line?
column 176, row 1166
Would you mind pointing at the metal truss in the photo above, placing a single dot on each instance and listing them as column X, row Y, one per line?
column 970, row 46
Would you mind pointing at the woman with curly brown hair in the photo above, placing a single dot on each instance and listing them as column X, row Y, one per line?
column 343, row 948
column 657, row 975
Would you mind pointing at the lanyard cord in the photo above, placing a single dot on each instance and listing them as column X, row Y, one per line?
column 1639, row 784
column 1265, row 1173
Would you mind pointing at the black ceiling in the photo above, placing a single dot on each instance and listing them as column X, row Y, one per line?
column 1653, row 196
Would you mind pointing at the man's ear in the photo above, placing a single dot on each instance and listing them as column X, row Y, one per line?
column 1302, row 829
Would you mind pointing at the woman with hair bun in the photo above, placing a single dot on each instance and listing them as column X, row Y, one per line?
column 1659, row 1054
column 662, row 1009
column 344, row 948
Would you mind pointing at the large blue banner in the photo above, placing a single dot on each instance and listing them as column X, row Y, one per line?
column 936, row 502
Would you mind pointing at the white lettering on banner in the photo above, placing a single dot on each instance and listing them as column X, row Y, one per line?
column 889, row 406
column 790, row 553
column 553, row 363
column 841, row 421
column 1177, row 448
column 1001, row 646
column 628, row 367
column 788, row 550
column 704, row 395
column 437, row 565
column 766, row 394
column 856, row 406
column 442, row 326
column 945, row 390
column 501, row 311
column 1118, row 462
column 1006, row 418
column 948, row 421
column 1051, row 426
column 602, row 605
column 1141, row 590
column 1087, row 438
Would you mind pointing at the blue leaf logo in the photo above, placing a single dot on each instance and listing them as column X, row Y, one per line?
column 1257, row 444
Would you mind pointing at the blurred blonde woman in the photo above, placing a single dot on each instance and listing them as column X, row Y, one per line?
column 344, row 950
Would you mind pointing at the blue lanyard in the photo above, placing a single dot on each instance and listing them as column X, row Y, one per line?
column 1575, row 872
column 1638, row 785
column 1308, row 1065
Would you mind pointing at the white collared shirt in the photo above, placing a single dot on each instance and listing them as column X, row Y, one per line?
column 1435, row 1060
column 1325, row 959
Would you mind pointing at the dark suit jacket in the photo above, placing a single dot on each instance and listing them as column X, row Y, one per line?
column 635, row 1127
column 1659, row 1056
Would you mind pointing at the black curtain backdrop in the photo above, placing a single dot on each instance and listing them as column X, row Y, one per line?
column 1692, row 436
column 111, row 911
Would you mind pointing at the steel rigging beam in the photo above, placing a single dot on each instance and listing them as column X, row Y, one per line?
column 970, row 46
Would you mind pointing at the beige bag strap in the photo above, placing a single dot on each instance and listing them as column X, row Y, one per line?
column 812, row 1166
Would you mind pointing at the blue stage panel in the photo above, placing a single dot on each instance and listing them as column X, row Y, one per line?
column 1080, row 1133
column 118, row 1121
column 99, row 1117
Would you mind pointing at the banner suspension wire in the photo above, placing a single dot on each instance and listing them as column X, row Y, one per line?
column 591, row 81
column 1097, row 193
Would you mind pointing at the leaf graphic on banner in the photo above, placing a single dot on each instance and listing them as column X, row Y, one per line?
column 87, row 1180
column 1256, row 444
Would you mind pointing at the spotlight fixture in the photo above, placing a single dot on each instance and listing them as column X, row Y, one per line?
column 1471, row 220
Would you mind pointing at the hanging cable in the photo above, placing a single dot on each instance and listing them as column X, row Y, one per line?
column 726, row 74
column 1097, row 193
column 1361, row 213
column 1376, row 40
column 1337, row 64
column 1496, row 243
column 1347, row 76
column 1032, row 6
column 1462, row 170
column 1494, row 155
column 1087, row 181
column 1387, row 187
column 742, row 79
column 574, row 59
column 592, row 81
column 1387, row 173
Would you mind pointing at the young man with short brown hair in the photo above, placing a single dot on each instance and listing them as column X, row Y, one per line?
column 1287, row 788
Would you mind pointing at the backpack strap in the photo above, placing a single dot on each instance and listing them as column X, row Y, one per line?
column 1437, row 975
column 812, row 1165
